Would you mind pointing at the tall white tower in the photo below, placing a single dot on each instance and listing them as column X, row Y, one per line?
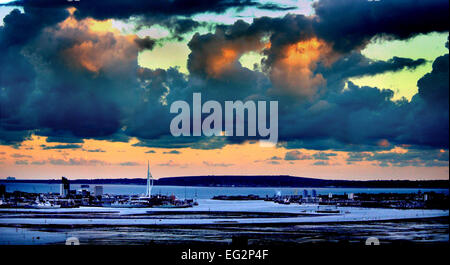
column 148, row 192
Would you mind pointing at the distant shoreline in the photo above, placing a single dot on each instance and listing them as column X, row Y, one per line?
column 252, row 181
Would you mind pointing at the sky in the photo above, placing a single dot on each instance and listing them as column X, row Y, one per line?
column 362, row 88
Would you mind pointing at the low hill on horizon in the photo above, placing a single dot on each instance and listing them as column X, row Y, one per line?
column 254, row 181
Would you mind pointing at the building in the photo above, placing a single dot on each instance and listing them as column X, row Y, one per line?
column 305, row 194
column 98, row 191
column 84, row 191
column 2, row 190
column 64, row 190
column 351, row 196
column 314, row 193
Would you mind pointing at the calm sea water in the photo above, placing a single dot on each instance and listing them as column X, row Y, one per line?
column 208, row 192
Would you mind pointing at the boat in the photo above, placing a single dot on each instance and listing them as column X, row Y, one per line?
column 129, row 204
column 46, row 205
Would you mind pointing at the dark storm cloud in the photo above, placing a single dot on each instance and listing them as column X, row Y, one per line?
column 104, row 9
column 215, row 54
column 19, row 27
column 12, row 137
column 145, row 43
column 433, row 87
column 177, row 27
column 49, row 91
column 353, row 23
column 360, row 117
column 17, row 74
column 61, row 146
column 428, row 120
column 329, row 143
column 52, row 86
column 168, row 141
column 355, row 64
column 275, row 7
column 62, row 139
column 172, row 14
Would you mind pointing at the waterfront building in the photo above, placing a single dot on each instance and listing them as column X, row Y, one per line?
column 2, row 190
column 98, row 191
column 84, row 191
column 64, row 188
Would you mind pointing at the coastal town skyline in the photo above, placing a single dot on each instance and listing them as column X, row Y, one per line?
column 85, row 91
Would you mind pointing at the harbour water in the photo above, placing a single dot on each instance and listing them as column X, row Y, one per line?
column 233, row 220
column 209, row 192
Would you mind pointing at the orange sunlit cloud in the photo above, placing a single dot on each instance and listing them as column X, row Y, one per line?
column 102, row 45
column 221, row 62
column 294, row 72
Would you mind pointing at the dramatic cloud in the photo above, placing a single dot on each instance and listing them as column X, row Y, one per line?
column 216, row 55
column 296, row 155
column 350, row 24
column 145, row 43
column 417, row 158
column 104, row 9
column 433, row 87
column 69, row 75
column 61, row 146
